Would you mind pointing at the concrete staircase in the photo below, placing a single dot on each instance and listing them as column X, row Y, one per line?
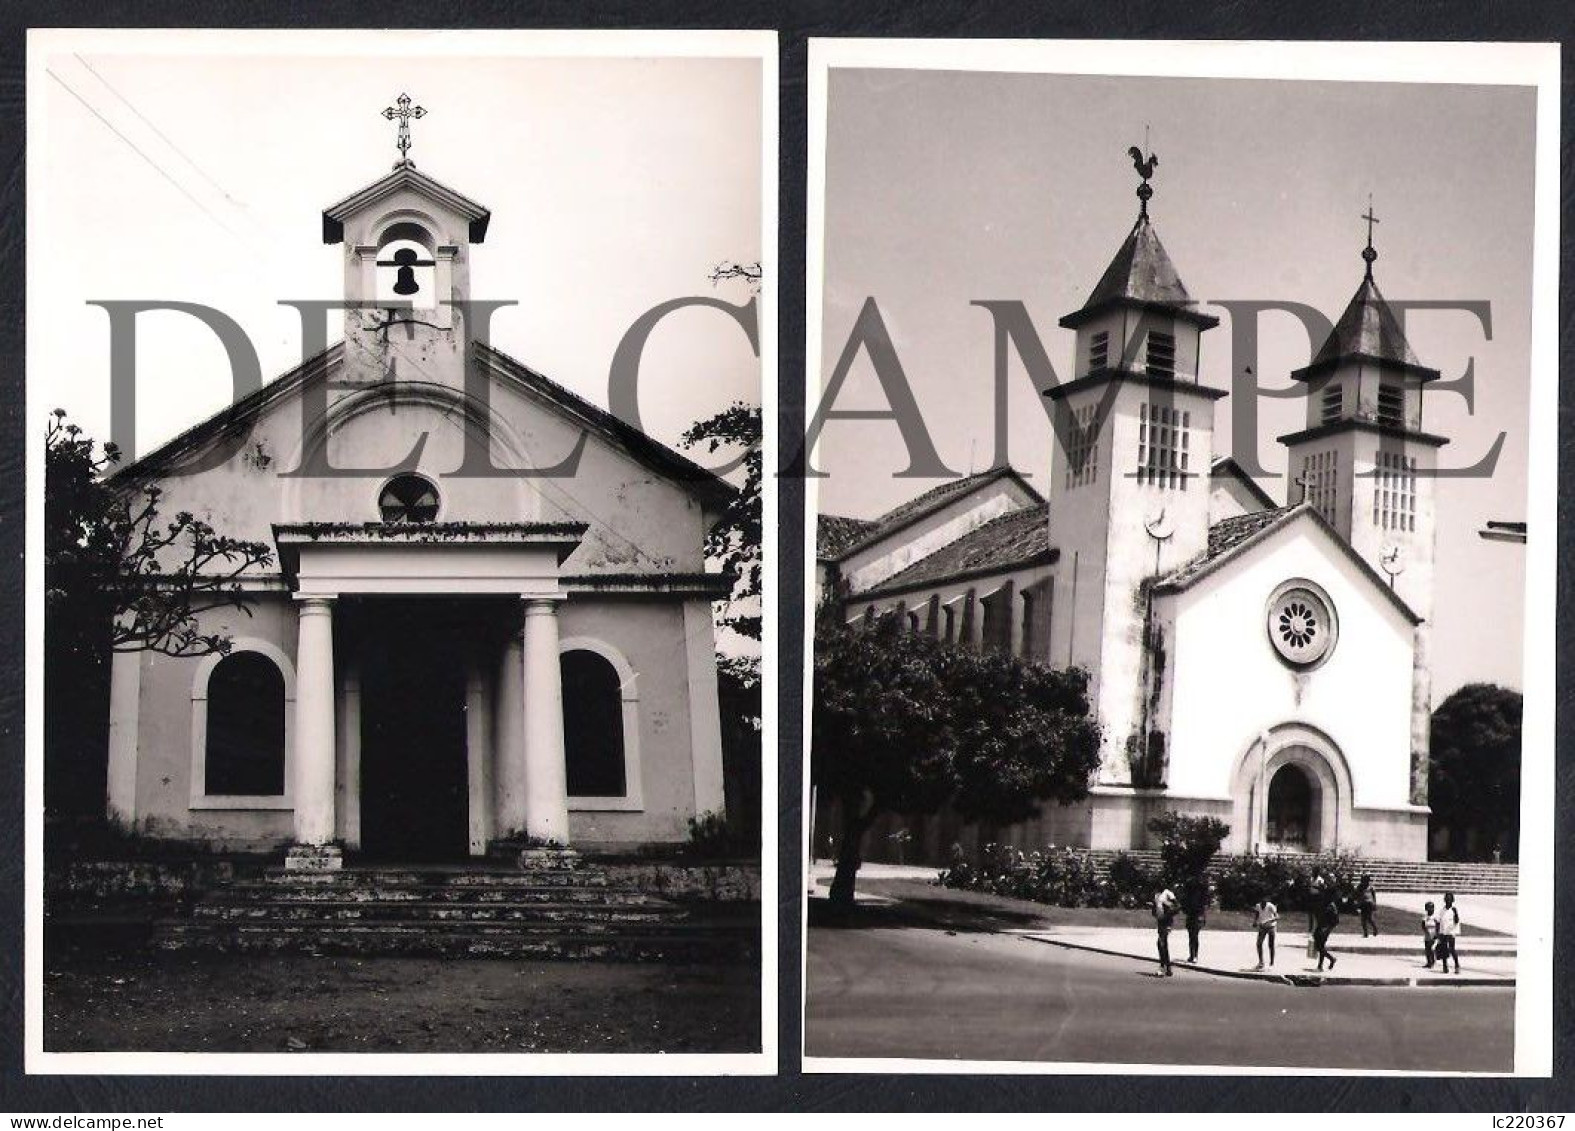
column 487, row 911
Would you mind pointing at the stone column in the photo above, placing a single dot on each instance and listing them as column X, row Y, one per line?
column 546, row 782
column 125, row 697
column 314, row 848
column 478, row 758
column 348, row 793
column 509, row 745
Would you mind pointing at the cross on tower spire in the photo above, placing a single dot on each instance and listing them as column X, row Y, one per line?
column 1369, row 254
column 403, row 112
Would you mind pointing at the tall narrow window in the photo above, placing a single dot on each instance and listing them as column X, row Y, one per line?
column 1099, row 351
column 1320, row 483
column 244, row 756
column 1161, row 360
column 1082, row 450
column 1391, row 405
column 593, row 735
column 1394, row 492
column 1164, row 446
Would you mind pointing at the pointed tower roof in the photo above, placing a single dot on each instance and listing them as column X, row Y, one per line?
column 1368, row 329
column 1141, row 272
column 1141, row 275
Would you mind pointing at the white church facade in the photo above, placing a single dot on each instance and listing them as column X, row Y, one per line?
column 490, row 622
column 1262, row 663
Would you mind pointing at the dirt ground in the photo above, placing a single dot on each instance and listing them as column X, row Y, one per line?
column 118, row 998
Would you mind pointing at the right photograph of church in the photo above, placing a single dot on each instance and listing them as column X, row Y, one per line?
column 1171, row 506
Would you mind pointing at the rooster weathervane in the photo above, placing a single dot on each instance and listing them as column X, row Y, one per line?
column 1145, row 168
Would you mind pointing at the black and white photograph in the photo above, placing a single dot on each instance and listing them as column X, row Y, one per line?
column 399, row 677
column 1181, row 432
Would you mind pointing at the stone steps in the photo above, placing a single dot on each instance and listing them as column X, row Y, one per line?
column 479, row 910
column 431, row 893
column 455, row 877
column 450, row 939
column 416, row 910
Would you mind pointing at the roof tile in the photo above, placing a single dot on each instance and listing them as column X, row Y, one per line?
column 1016, row 538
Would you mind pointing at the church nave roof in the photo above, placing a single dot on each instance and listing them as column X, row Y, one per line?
column 1013, row 540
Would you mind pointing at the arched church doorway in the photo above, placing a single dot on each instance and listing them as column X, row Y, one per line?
column 1293, row 811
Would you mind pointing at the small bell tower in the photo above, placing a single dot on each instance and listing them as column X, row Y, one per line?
column 1129, row 478
column 1366, row 464
column 407, row 240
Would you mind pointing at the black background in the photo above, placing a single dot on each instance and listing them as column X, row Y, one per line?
column 790, row 1090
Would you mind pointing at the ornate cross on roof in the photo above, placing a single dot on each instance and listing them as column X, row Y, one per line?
column 403, row 111
column 1369, row 253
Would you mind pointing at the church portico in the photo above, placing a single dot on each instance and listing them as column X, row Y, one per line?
column 408, row 586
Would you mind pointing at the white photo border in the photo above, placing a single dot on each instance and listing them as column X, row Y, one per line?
column 1462, row 64
column 600, row 44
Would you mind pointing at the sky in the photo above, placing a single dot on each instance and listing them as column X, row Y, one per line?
column 945, row 187
column 615, row 184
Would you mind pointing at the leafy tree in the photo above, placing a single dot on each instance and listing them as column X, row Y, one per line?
column 906, row 724
column 736, row 537
column 739, row 697
column 1187, row 844
column 1474, row 768
column 117, row 578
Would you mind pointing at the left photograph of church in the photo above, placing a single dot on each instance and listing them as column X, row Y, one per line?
column 396, row 604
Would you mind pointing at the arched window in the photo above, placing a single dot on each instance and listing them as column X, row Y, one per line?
column 593, row 724
column 408, row 498
column 244, row 752
column 406, row 271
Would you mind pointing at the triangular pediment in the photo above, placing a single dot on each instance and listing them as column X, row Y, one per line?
column 405, row 178
column 284, row 395
column 1233, row 541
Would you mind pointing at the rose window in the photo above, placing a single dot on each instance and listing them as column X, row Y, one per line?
column 1301, row 626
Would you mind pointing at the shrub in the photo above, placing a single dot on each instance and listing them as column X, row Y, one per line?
column 1286, row 879
column 1186, row 844
column 1133, row 881
column 714, row 837
column 1064, row 877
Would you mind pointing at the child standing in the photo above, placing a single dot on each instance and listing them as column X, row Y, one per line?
column 1448, row 928
column 1429, row 932
column 1266, row 917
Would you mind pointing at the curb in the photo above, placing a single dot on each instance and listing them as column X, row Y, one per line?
column 1417, row 981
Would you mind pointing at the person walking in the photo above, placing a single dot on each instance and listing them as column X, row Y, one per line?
column 1195, row 897
column 1164, row 918
column 1266, row 917
column 1315, row 901
column 1448, row 929
column 1429, row 933
column 1328, row 920
column 1366, row 904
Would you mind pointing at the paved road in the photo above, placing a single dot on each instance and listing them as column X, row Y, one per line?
column 915, row 992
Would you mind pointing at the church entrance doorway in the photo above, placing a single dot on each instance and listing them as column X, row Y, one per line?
column 1293, row 811
column 414, row 783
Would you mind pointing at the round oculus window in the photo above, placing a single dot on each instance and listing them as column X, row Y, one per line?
column 1302, row 626
column 408, row 498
